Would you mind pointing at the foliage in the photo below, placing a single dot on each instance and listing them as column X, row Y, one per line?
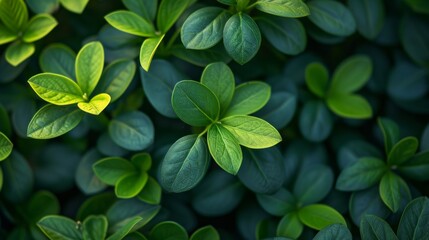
column 227, row 119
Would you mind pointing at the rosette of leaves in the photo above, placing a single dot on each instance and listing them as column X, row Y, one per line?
column 337, row 95
column 402, row 161
column 139, row 20
column 240, row 33
column 222, row 110
column 68, row 99
column 16, row 27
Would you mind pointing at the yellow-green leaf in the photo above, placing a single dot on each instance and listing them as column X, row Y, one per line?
column 148, row 49
column 96, row 105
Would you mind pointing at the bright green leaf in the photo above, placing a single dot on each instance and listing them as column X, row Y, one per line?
column 58, row 58
column 394, row 191
column 52, row 121
column 283, row 8
column 142, row 161
column 317, row 79
column 110, row 170
column 18, row 52
column 131, row 23
column 169, row 11
column 334, row 232
column 205, row 233
column 168, row 230
column 414, row 220
column 351, row 75
column 130, row 185
column 38, row 27
column 350, row 106
column 319, row 216
column 59, row 227
column 6, row 35
column 96, row 105
column 403, row 150
column 248, row 98
column 373, row 227
column 76, row 6
column 94, row 227
column 151, row 192
column 148, row 49
column 14, row 14
column 5, row 147
column 241, row 37
column 89, row 66
column 290, row 226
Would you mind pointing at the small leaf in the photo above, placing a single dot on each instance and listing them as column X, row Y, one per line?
column 58, row 58
column 14, row 14
column 59, row 227
column 351, row 75
column 248, row 98
column 45, row 6
column 41, row 198
column 413, row 39
column 85, row 177
column 89, row 66
column 315, row 121
column 278, row 204
column 148, row 49
column 283, row 8
column 224, row 148
column 205, row 233
column 169, row 11
column 204, row 28
column 132, row 130
column 280, row 104
column 290, row 226
column 146, row 9
column 96, row 105
column 373, row 227
column 130, row 185
column 185, row 164
column 18, row 52
column 363, row 174
column 219, row 78
column 130, row 22
column 110, row 170
column 94, row 227
column 38, row 27
column 201, row 58
column 390, row 131
column 52, row 121
column 18, row 178
column 334, row 232
column 317, row 79
column 367, row 202
column 194, row 103
column 168, row 230
column 414, row 220
column 394, row 191
column 319, row 216
column 6, row 35
column 56, row 89
column 76, row 6
column 5, row 147
column 417, row 167
column 151, row 192
column 241, row 37
column 313, row 183
column 402, row 151
column 126, row 228
column 369, row 16
column 350, row 106
column 142, row 161
column 252, row 132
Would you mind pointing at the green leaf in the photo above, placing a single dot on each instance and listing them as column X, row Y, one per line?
column 94, row 227
column 351, row 75
column 44, row 6
column 18, row 178
column 278, row 204
column 413, row 39
column 319, row 216
column 130, row 185
column 14, row 14
column 46, row 199
column 169, row 11
column 85, row 177
column 334, row 232
column 110, row 170
column 367, row 202
column 219, row 78
column 201, row 58
column 290, row 226
column 96, row 105
column 151, row 192
column 414, row 88
column 59, row 227
column 313, row 184
column 58, row 58
column 373, row 227
column 369, row 16
column 317, row 79
column 6, row 35
column 168, row 230
column 241, row 37
column 194, row 103
column 332, row 17
column 419, row 6
column 89, row 66
column 283, row 8
column 148, row 49
column 132, row 130
column 417, row 167
column 5, row 147
column 76, row 6
column 248, row 98
column 252, row 132
column 350, row 106
column 402, row 151
column 394, row 191
column 205, row 233
column 116, row 78
column 56, row 89
column 414, row 220
column 204, row 28
column 282, row 104
column 130, row 22
column 185, row 164
column 142, row 161
column 315, row 121
column 127, row 227
column 18, row 52
column 363, row 174
column 52, row 121
column 285, row 34
column 146, row 9
column 224, row 148
column 38, row 27
column 390, row 131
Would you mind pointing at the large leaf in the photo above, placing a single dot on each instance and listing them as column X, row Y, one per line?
column 351, row 74
column 185, row 164
column 248, row 98
column 278, row 204
column 14, row 14
column 130, row 22
column 363, row 174
column 317, row 79
column 313, row 184
column 204, row 28
column 350, row 106
column 169, row 11
column 290, row 226
column 38, row 27
column 241, row 37
column 369, row 16
column 110, row 170
column 315, row 121
column 5, row 146
column 18, row 52
column 52, row 121
column 394, row 191
column 335, row 231
column 414, row 222
column 59, row 227
column 224, row 148
column 194, row 103
column 148, row 49
column 94, row 227
column 319, row 216
column 283, row 8
column 76, row 6
column 132, row 130
column 89, row 66
column 402, row 151
column 373, row 227
column 58, row 58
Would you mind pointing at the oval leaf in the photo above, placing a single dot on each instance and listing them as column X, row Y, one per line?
column 369, row 16
column 313, row 183
column 367, row 202
column 205, row 233
column 18, row 52
column 403, row 150
column 278, row 204
column 59, row 227
column 394, row 191
column 89, row 66
column 317, row 79
column 96, row 105
column 148, row 49
column 283, row 8
column 110, row 170
column 290, row 226
column 350, row 106
column 130, row 22
column 319, row 216
column 169, row 11
column 351, row 75
column 94, row 227
column 38, row 27
column 168, row 231
column 414, row 220
column 130, row 185
column 373, row 227
column 334, row 232
column 58, row 58
column 315, row 121
column 248, row 98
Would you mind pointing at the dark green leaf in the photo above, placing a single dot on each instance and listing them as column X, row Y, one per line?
column 205, row 233
column 44, row 6
column 317, row 79
column 185, row 164
column 390, row 131
column 111, row 169
column 369, row 16
column 419, row 6
column 14, row 14
column 315, row 121
column 96, row 205
column 241, row 37
column 334, row 232
column 130, row 22
column 394, row 191
column 313, row 183
column 94, row 227
column 248, row 98
column 319, row 216
column 367, row 202
column 58, row 58
column 280, row 104
column 21, row 116
column 290, row 226
column 33, row 208
column 283, row 8
column 126, row 227
column 199, row 57
column 351, row 75
column 415, row 220
column 148, row 49
column 146, row 9
column 151, row 192
column 38, row 27
column 402, row 151
column 169, row 11
column 373, row 227
column 349, row 106
column 417, row 167
column 18, row 178
column 407, row 81
column 59, row 227
column 168, row 231
column 85, row 177
column 278, row 204
column 414, row 38
column 18, row 52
